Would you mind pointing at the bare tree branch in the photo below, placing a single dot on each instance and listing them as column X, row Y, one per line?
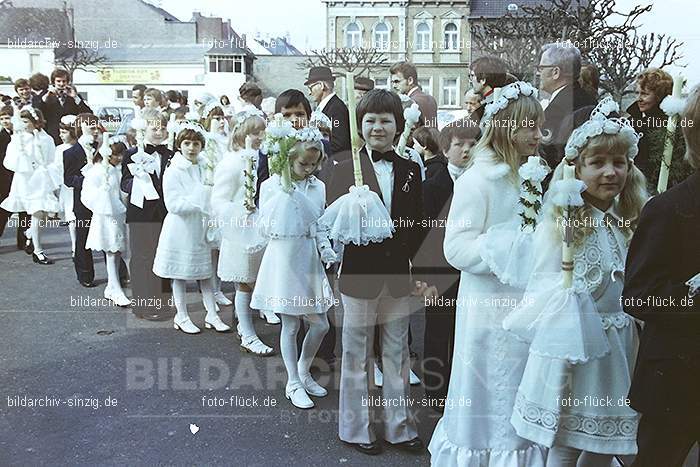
column 356, row 60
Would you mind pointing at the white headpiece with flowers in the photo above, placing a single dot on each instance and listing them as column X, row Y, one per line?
column 31, row 110
column 598, row 124
column 187, row 125
column 319, row 119
column 248, row 112
column 509, row 93
column 309, row 134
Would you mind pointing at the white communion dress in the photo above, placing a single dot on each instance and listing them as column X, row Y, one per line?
column 183, row 252
column 583, row 345
column 292, row 279
column 65, row 195
column 488, row 362
column 232, row 196
column 101, row 195
column 36, row 178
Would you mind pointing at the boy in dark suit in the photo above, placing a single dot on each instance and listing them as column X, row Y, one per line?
column 375, row 281
column 145, row 217
column 663, row 255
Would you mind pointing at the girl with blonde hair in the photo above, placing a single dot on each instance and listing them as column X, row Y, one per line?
column 488, row 362
column 583, row 349
column 233, row 199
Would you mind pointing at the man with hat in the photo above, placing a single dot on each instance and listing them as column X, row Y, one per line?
column 362, row 85
column 320, row 84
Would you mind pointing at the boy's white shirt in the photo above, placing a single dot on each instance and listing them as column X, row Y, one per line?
column 384, row 170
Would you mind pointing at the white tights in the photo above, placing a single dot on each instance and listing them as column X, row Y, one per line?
column 33, row 232
column 113, row 282
column 563, row 456
column 318, row 327
column 179, row 292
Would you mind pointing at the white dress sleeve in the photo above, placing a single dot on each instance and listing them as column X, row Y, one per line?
column 180, row 198
column 466, row 223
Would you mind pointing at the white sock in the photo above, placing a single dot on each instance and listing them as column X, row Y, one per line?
column 179, row 291
column 244, row 313
column 206, row 286
column 318, row 327
column 288, row 346
column 34, row 233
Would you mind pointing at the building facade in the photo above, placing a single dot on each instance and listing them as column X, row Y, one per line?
column 435, row 35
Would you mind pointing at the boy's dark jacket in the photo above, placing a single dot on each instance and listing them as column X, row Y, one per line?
column 365, row 269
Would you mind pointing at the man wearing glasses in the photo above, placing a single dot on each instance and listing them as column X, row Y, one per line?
column 320, row 84
column 404, row 80
column 558, row 73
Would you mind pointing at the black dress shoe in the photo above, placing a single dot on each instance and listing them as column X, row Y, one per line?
column 88, row 284
column 41, row 258
column 28, row 247
column 371, row 449
column 413, row 445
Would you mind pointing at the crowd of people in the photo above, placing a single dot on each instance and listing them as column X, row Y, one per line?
column 519, row 362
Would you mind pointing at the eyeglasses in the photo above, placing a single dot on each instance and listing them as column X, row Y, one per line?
column 542, row 67
column 310, row 87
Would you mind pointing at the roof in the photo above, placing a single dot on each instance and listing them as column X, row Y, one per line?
column 34, row 24
column 279, row 46
column 167, row 16
column 498, row 8
column 159, row 53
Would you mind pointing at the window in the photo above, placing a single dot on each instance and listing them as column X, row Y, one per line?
column 423, row 37
column 353, row 35
column 382, row 82
column 124, row 94
column 424, row 84
column 449, row 92
column 381, row 36
column 451, row 34
column 226, row 64
column 34, row 64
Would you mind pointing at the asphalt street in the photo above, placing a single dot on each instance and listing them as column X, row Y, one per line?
column 106, row 388
column 116, row 390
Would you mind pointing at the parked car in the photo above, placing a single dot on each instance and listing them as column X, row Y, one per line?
column 112, row 117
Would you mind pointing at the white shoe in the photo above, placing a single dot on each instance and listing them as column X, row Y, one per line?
column 215, row 322
column 312, row 387
column 221, row 299
column 118, row 297
column 270, row 317
column 253, row 344
column 298, row 396
column 413, row 378
column 378, row 376
column 186, row 325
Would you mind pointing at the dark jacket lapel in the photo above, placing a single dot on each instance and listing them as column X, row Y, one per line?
column 368, row 176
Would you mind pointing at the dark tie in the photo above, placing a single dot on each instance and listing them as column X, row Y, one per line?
column 387, row 156
column 159, row 148
column 94, row 145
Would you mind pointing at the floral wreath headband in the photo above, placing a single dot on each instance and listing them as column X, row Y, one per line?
column 320, row 119
column 211, row 105
column 600, row 123
column 509, row 93
column 31, row 110
column 187, row 125
column 242, row 116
